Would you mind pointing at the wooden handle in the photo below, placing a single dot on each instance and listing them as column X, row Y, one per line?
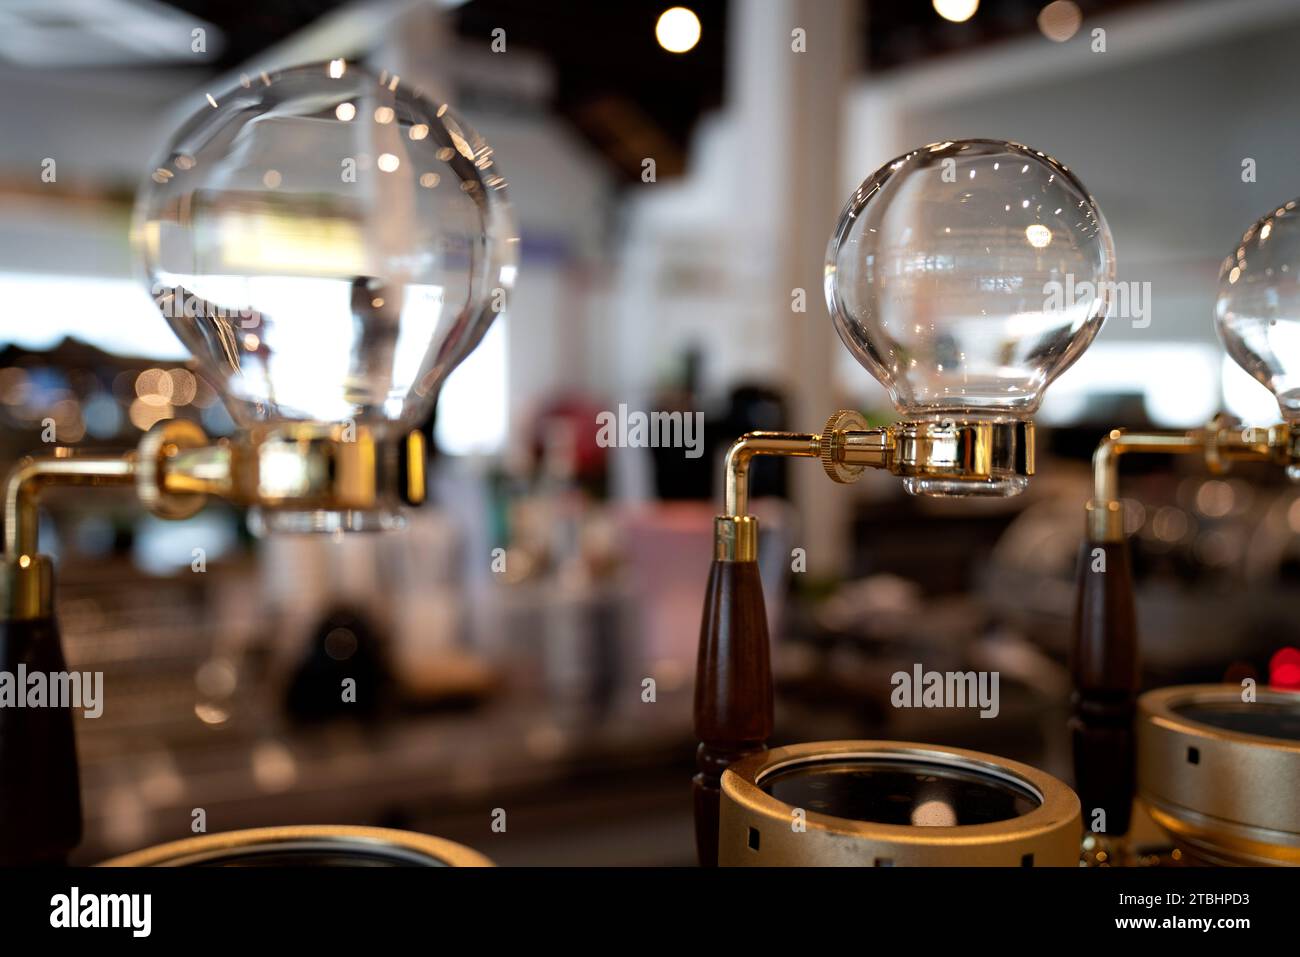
column 1104, row 665
column 733, row 689
column 40, row 795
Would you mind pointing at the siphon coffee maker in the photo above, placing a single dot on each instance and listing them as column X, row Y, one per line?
column 964, row 276
column 1216, row 766
column 329, row 243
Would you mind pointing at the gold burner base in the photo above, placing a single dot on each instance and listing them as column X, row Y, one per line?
column 758, row 830
column 339, row 845
column 1225, row 795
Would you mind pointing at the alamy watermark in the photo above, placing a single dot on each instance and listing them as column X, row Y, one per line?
column 175, row 302
column 651, row 430
column 74, row 909
column 54, row 689
column 946, row 689
column 1128, row 300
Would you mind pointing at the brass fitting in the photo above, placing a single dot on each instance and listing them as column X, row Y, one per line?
column 26, row 588
column 294, row 467
column 157, row 474
column 848, row 447
column 941, row 456
column 973, row 451
column 1222, row 442
column 735, row 538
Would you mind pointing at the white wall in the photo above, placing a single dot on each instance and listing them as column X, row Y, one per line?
column 1156, row 127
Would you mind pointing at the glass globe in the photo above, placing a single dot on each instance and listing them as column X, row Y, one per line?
column 1258, row 308
column 965, row 276
column 329, row 243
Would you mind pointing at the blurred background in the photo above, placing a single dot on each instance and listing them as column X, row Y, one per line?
column 529, row 642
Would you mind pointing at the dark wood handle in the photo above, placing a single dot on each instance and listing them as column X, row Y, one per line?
column 733, row 689
column 40, row 795
column 1104, row 666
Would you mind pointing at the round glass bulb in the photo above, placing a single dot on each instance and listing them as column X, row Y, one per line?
column 965, row 276
column 1258, row 308
column 329, row 243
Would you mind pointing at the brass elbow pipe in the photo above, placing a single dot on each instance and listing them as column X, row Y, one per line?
column 735, row 531
column 1105, row 512
column 742, row 452
column 30, row 476
column 26, row 582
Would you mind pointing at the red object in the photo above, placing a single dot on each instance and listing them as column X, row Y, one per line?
column 1284, row 669
column 580, row 415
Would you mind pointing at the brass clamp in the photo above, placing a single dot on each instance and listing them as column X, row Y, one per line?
column 946, row 455
column 296, row 467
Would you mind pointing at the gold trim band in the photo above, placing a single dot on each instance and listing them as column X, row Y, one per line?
column 26, row 588
column 735, row 538
column 964, row 450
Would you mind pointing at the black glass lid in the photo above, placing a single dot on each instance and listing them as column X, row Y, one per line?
column 907, row 791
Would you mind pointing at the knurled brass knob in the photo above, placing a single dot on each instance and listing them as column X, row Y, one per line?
column 156, row 446
column 832, row 445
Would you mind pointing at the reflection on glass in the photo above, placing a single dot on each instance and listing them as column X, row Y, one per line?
column 966, row 276
column 329, row 242
column 1258, row 308
column 892, row 791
